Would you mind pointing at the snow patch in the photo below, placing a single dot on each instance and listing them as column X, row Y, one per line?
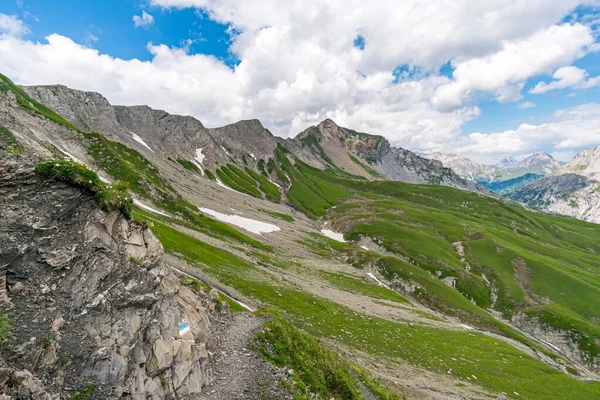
column 275, row 183
column 140, row 141
column 199, row 156
column 225, row 150
column 364, row 248
column 145, row 207
column 253, row 156
column 199, row 167
column 251, row 225
column 333, row 235
column 372, row 276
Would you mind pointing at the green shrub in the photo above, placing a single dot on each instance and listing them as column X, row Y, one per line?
column 109, row 197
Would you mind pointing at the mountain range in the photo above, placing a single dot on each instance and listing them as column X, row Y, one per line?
column 573, row 189
column 145, row 255
column 506, row 176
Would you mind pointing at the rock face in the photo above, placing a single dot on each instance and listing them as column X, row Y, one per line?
column 573, row 190
column 363, row 154
column 91, row 300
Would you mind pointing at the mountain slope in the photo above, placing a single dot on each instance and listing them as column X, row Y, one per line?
column 507, row 176
column 368, row 155
column 434, row 291
column 572, row 190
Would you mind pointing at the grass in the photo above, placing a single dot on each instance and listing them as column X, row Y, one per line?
column 209, row 174
column 10, row 141
column 237, row 182
column 201, row 223
column 275, row 214
column 5, row 326
column 190, row 166
column 315, row 368
column 499, row 367
column 268, row 188
column 109, row 197
column 311, row 192
column 29, row 104
column 129, row 166
column 364, row 286
column 85, row 392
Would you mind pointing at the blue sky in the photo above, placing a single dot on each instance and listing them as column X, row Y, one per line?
column 442, row 80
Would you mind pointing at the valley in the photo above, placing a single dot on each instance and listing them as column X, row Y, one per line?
column 371, row 272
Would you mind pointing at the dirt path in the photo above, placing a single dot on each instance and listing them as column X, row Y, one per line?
column 238, row 371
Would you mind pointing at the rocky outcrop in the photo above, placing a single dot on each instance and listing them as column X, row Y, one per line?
column 565, row 342
column 566, row 194
column 91, row 301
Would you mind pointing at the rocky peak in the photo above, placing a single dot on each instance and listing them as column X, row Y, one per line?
column 507, row 162
column 585, row 163
column 537, row 158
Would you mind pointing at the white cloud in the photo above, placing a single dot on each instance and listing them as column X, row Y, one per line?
column 569, row 130
column 503, row 73
column 567, row 77
column 144, row 20
column 11, row 26
column 298, row 64
column 525, row 105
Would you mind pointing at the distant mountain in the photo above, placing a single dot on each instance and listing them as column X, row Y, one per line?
column 511, row 185
column 506, row 163
column 572, row 190
column 465, row 167
column 506, row 176
column 585, row 163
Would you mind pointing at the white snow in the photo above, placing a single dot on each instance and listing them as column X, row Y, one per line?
column 333, row 235
column 225, row 150
column 199, row 156
column 251, row 225
column 370, row 275
column 199, row 166
column 145, row 207
column 275, row 183
column 253, row 156
column 104, row 179
column 364, row 248
column 140, row 141
column 469, row 328
column 290, row 180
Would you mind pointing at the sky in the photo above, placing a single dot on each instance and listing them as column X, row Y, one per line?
column 484, row 80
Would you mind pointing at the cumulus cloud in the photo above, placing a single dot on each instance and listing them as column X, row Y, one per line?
column 504, row 73
column 567, row 77
column 570, row 129
column 298, row 64
column 11, row 26
column 145, row 20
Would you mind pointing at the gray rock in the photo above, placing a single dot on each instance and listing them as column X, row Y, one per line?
column 123, row 320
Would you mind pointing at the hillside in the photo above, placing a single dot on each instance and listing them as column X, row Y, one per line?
column 573, row 190
column 355, row 286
